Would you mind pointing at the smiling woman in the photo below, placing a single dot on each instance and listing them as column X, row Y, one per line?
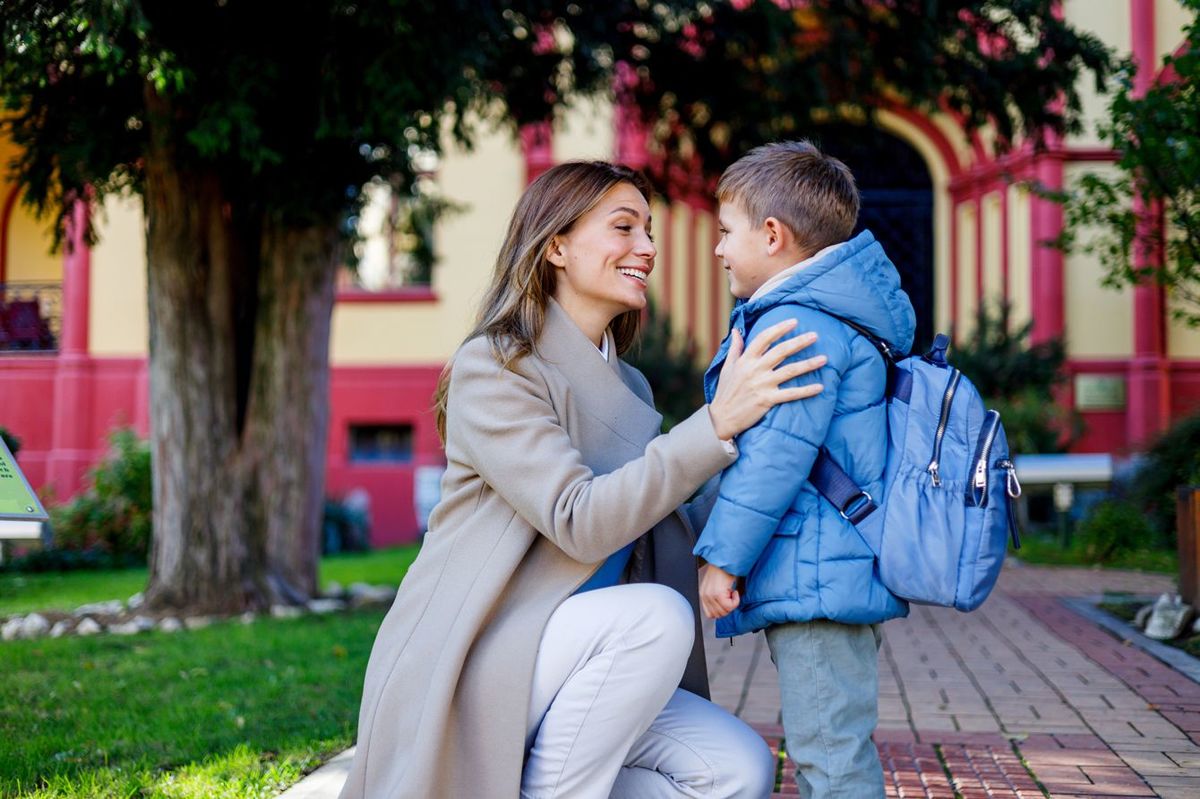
column 550, row 617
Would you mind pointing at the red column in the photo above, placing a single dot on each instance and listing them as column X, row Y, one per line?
column 70, row 445
column 1046, row 263
column 1148, row 396
column 537, row 145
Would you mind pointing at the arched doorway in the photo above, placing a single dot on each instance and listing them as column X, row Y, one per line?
column 897, row 206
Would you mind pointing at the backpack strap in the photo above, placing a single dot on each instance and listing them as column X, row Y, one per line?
column 830, row 479
column 839, row 488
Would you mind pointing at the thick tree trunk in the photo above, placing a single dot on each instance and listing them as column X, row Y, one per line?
column 289, row 403
column 239, row 329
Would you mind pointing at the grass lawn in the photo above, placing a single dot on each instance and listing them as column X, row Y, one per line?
column 1046, row 550
column 233, row 710
column 22, row 593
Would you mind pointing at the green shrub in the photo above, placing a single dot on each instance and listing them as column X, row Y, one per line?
column 1114, row 528
column 1019, row 379
column 1172, row 460
column 114, row 514
column 12, row 442
column 670, row 364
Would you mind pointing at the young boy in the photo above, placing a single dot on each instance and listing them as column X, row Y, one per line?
column 808, row 578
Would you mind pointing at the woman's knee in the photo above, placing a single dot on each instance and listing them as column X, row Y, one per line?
column 664, row 617
column 747, row 769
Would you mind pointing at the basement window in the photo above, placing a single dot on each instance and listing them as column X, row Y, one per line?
column 381, row 443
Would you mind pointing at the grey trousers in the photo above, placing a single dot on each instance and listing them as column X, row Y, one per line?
column 829, row 687
column 607, row 718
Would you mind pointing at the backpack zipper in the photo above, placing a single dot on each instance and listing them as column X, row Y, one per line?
column 943, row 423
column 1012, row 487
column 977, row 494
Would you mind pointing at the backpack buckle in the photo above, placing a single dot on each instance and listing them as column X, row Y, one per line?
column 858, row 508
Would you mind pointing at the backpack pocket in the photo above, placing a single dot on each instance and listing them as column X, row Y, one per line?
column 922, row 539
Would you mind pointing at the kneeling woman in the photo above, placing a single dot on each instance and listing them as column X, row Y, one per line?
column 546, row 640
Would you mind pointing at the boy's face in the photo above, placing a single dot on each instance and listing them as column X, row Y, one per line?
column 743, row 248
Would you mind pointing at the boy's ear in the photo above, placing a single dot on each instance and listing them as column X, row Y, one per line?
column 554, row 252
column 778, row 235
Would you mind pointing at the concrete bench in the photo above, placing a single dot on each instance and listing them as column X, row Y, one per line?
column 20, row 532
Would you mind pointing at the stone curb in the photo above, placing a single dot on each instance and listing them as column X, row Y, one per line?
column 1177, row 659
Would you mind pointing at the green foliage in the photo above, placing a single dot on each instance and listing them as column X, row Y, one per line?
column 291, row 124
column 11, row 441
column 114, row 513
column 1114, row 528
column 669, row 362
column 1173, row 460
column 1018, row 379
column 1048, row 550
column 1157, row 139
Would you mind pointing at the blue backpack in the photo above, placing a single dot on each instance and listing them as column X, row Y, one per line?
column 941, row 528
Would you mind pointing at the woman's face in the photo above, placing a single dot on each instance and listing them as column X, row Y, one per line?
column 605, row 259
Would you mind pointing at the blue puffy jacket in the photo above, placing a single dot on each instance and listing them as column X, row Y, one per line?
column 801, row 560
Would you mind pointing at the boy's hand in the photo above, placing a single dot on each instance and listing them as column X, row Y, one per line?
column 718, row 597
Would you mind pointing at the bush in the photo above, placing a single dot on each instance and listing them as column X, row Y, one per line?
column 114, row 514
column 1019, row 379
column 1114, row 528
column 1172, row 460
column 670, row 365
column 12, row 442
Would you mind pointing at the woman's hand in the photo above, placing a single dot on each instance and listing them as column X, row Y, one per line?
column 750, row 381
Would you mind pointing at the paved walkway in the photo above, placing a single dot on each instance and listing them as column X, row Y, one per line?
column 1022, row 698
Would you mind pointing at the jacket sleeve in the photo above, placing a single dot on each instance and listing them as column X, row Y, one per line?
column 777, row 454
column 508, row 428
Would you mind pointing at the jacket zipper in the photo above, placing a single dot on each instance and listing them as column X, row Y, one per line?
column 943, row 423
column 977, row 493
column 1012, row 487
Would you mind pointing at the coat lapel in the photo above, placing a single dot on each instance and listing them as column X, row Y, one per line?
column 598, row 384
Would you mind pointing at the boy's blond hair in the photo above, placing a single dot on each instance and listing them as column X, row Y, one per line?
column 812, row 193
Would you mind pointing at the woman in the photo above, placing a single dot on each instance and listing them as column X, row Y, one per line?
column 540, row 643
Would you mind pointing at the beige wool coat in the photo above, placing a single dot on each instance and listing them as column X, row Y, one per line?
column 550, row 469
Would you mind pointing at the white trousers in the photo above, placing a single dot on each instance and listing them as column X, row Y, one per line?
column 607, row 718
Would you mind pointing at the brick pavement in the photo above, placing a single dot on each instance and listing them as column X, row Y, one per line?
column 1021, row 699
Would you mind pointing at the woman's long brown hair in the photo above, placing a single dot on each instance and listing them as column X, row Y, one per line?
column 514, row 309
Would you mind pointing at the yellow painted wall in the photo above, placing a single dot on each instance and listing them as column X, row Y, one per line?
column 1099, row 320
column 708, row 304
column 681, row 267
column 1020, row 287
column 486, row 182
column 585, row 132
column 1169, row 20
column 993, row 271
column 965, row 320
column 1109, row 20
column 118, row 323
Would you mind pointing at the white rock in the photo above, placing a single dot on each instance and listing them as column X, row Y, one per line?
column 248, row 617
column 325, row 605
column 286, row 611
column 333, row 589
column 60, row 628
column 12, row 628
column 1143, row 615
column 109, row 608
column 1168, row 620
column 88, row 626
column 34, row 626
column 170, row 625
column 197, row 622
column 143, row 623
column 136, row 601
column 363, row 594
column 125, row 628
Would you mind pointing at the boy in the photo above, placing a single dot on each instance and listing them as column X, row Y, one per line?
column 786, row 212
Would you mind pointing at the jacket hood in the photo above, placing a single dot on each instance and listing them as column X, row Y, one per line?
column 856, row 281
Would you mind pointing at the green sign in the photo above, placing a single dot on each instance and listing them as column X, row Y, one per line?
column 17, row 500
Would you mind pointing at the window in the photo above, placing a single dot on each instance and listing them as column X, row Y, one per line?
column 381, row 443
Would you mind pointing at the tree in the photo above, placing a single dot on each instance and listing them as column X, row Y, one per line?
column 1156, row 136
column 248, row 127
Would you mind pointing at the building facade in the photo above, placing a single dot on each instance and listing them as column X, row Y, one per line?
column 958, row 218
